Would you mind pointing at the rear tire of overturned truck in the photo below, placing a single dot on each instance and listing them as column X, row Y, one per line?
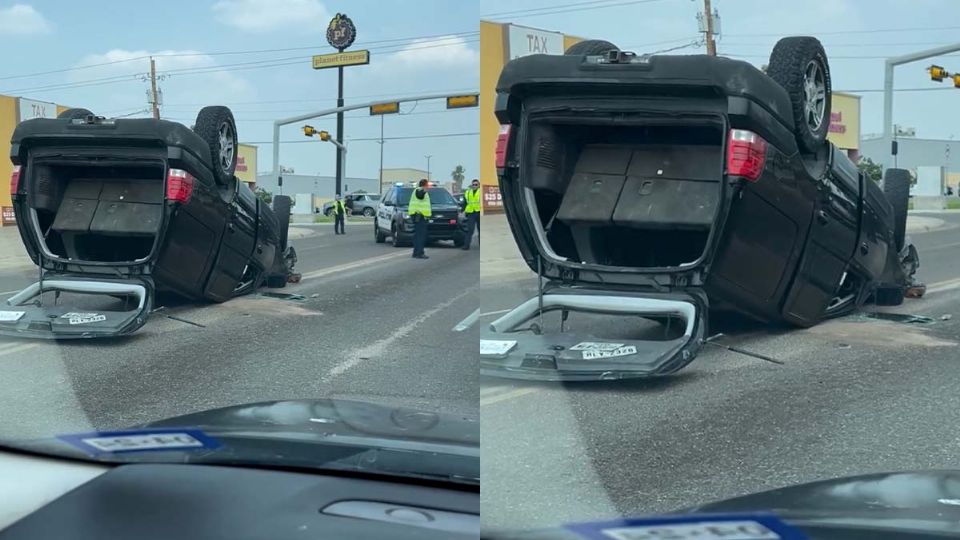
column 799, row 64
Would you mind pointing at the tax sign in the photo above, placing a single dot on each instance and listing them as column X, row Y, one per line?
column 30, row 109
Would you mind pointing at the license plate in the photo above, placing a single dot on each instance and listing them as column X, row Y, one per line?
column 11, row 316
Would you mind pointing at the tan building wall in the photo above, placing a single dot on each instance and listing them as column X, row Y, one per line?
column 8, row 121
column 494, row 47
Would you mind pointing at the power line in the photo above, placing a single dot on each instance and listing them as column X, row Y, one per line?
column 551, row 10
column 873, row 31
column 439, row 91
column 429, row 136
column 241, row 66
column 220, row 53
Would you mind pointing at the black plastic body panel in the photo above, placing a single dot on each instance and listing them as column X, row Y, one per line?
column 186, row 502
column 201, row 247
column 778, row 246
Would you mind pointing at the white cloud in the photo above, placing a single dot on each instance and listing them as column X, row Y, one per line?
column 268, row 15
column 436, row 54
column 22, row 20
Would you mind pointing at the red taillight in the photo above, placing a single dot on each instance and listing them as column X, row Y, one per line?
column 15, row 180
column 746, row 154
column 179, row 186
column 503, row 141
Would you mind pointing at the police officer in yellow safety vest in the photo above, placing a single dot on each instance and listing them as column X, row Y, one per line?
column 419, row 211
column 471, row 211
column 339, row 215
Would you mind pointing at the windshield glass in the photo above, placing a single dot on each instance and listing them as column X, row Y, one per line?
column 166, row 262
column 683, row 298
column 438, row 196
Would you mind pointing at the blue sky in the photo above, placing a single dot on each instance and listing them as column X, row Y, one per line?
column 857, row 34
column 427, row 46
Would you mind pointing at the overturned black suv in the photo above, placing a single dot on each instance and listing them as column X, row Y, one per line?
column 666, row 186
column 119, row 209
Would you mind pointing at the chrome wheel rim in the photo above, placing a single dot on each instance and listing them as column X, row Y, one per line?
column 227, row 150
column 814, row 95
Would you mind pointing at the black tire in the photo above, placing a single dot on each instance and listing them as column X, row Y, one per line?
column 397, row 239
column 216, row 126
column 71, row 114
column 591, row 47
column 896, row 186
column 378, row 235
column 368, row 212
column 790, row 64
column 281, row 207
column 328, row 212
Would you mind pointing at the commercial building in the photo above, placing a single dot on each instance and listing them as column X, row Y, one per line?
column 14, row 110
column 845, row 124
column 913, row 152
column 322, row 188
column 500, row 43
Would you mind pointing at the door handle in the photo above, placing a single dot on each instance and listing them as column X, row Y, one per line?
column 822, row 217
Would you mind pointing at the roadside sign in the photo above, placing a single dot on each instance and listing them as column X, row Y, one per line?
column 461, row 102
column 338, row 59
column 30, row 109
column 492, row 200
column 385, row 108
column 7, row 217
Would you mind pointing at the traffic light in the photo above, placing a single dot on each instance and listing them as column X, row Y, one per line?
column 309, row 131
column 956, row 81
column 937, row 73
column 324, row 135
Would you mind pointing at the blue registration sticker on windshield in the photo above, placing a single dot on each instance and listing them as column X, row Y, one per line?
column 141, row 440
column 692, row 527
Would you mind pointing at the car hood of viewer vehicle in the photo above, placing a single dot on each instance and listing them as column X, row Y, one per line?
column 325, row 434
column 889, row 504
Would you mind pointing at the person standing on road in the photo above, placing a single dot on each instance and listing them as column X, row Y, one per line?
column 339, row 215
column 471, row 211
column 419, row 211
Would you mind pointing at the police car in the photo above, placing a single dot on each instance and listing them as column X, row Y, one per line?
column 392, row 220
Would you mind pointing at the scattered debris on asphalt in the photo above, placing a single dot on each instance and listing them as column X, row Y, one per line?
column 946, row 317
column 710, row 341
column 285, row 296
column 899, row 317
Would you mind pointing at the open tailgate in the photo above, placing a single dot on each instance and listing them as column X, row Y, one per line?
column 95, row 308
column 506, row 350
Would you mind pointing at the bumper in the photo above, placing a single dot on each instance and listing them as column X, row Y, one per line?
column 504, row 352
column 22, row 317
column 437, row 231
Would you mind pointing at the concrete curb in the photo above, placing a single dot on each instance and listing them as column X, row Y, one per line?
column 920, row 224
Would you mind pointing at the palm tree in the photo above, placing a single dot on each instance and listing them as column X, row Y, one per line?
column 457, row 175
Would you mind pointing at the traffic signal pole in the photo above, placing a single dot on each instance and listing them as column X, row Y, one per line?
column 297, row 119
column 340, row 157
column 891, row 63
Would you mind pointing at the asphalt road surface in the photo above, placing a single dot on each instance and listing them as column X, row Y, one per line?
column 855, row 395
column 375, row 325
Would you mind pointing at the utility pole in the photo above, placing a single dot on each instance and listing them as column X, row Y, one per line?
column 428, row 166
column 339, row 127
column 708, row 15
column 381, row 155
column 153, row 89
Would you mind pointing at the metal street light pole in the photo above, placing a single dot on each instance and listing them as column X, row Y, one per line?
column 428, row 166
column 380, row 190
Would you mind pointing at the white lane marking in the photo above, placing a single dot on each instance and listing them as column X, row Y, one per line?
column 512, row 394
column 468, row 322
column 380, row 348
column 18, row 348
column 309, row 248
column 7, row 293
column 498, row 312
column 945, row 246
column 350, row 266
column 943, row 285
